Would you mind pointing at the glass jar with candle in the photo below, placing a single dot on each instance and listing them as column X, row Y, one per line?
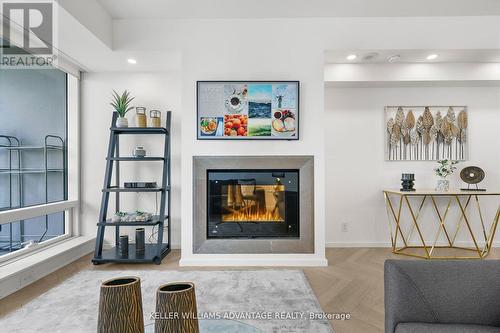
column 141, row 116
column 155, row 116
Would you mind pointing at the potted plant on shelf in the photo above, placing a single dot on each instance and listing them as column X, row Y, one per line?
column 121, row 104
column 443, row 170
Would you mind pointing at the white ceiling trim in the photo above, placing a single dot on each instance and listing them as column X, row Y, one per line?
column 200, row 9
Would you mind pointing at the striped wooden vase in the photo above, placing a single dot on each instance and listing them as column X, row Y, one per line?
column 176, row 308
column 120, row 306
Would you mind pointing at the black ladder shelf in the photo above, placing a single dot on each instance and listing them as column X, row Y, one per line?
column 154, row 252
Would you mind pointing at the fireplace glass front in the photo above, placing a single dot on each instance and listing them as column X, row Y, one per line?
column 253, row 203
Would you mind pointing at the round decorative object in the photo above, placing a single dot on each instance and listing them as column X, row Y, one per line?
column 234, row 103
column 120, row 306
column 472, row 174
column 178, row 301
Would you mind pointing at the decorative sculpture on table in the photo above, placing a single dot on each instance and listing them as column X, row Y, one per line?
column 407, row 182
column 472, row 175
column 426, row 133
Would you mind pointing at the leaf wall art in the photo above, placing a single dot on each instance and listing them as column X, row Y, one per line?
column 426, row 133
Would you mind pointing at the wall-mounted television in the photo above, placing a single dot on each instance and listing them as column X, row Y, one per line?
column 247, row 110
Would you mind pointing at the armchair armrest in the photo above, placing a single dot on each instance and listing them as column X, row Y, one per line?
column 461, row 292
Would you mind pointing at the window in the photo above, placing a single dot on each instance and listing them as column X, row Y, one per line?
column 37, row 134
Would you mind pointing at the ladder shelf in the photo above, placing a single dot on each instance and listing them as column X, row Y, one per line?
column 154, row 252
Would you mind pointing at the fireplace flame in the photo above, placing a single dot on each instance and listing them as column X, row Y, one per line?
column 247, row 215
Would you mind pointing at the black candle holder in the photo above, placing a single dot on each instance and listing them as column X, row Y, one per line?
column 123, row 246
column 139, row 241
column 407, row 182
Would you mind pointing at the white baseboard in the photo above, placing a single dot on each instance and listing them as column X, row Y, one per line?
column 388, row 244
column 358, row 244
column 19, row 273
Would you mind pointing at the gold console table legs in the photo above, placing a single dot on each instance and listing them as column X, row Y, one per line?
column 402, row 244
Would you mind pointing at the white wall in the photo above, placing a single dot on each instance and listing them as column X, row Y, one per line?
column 269, row 49
column 258, row 56
column 154, row 91
column 355, row 163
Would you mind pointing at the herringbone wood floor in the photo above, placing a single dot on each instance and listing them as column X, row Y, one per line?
column 352, row 283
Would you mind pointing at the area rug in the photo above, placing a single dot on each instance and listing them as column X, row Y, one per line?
column 246, row 296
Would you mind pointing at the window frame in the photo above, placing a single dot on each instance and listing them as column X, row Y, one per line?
column 70, row 206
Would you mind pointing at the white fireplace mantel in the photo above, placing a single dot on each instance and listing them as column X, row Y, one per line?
column 308, row 250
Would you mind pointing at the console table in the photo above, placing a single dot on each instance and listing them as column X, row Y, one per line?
column 407, row 237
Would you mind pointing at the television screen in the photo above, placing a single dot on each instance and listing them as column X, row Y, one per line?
column 248, row 110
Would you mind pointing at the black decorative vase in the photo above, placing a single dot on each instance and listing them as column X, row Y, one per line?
column 407, row 182
column 139, row 241
column 123, row 246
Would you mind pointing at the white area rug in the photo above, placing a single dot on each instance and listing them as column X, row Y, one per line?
column 72, row 306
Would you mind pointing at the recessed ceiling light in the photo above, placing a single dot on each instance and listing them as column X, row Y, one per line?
column 351, row 57
column 393, row 58
column 432, row 56
column 132, row 61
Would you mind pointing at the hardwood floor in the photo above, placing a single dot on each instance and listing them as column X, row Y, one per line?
column 352, row 283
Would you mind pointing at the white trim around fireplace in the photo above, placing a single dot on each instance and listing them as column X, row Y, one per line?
column 296, row 260
column 188, row 258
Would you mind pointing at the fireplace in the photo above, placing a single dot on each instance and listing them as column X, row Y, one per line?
column 252, row 203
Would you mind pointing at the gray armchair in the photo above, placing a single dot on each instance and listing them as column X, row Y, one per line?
column 440, row 296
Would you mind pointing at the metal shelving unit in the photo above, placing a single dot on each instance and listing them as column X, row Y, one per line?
column 16, row 171
column 154, row 252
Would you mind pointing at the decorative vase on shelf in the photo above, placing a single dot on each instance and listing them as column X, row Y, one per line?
column 141, row 116
column 443, row 185
column 155, row 116
column 121, row 122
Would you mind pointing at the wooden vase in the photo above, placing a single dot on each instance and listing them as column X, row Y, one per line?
column 120, row 306
column 176, row 308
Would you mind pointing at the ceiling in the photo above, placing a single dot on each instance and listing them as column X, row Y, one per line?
column 186, row 9
column 413, row 56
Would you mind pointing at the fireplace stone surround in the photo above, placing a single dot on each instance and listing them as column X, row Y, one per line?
column 304, row 244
